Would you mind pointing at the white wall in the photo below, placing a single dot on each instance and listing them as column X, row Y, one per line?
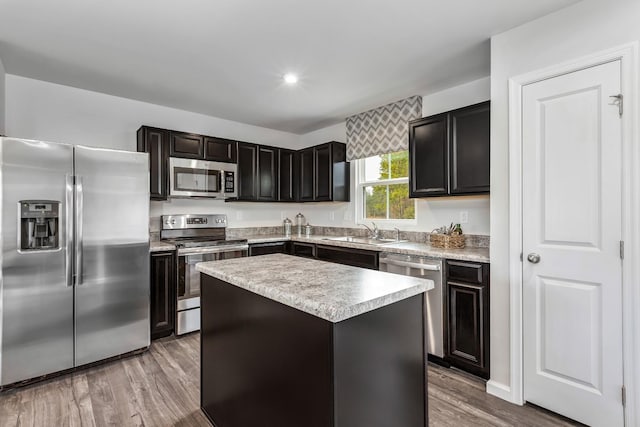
column 430, row 213
column 587, row 27
column 2, row 98
column 48, row 111
column 52, row 112
column 465, row 94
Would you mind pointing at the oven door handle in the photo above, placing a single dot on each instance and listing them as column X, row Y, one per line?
column 213, row 250
column 430, row 267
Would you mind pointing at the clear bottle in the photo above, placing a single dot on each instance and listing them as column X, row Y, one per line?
column 307, row 230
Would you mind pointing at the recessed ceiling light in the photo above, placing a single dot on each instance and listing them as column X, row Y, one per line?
column 290, row 78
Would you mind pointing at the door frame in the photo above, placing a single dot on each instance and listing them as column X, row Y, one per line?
column 628, row 56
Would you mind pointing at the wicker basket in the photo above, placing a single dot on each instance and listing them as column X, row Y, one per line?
column 446, row 241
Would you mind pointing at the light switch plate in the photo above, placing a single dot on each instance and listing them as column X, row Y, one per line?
column 464, row 217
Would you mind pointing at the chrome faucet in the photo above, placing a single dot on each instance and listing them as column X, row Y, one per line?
column 397, row 233
column 374, row 233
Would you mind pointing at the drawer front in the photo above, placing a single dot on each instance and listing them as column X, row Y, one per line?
column 348, row 256
column 268, row 248
column 303, row 249
column 468, row 272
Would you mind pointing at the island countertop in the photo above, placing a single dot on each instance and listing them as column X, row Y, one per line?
column 332, row 292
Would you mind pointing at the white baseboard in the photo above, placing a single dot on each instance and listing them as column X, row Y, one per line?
column 500, row 390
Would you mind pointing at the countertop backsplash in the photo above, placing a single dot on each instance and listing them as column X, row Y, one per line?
column 471, row 240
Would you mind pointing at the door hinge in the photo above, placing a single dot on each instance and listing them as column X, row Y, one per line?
column 624, row 396
column 619, row 101
column 621, row 249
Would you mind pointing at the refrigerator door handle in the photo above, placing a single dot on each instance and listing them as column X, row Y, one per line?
column 78, row 240
column 68, row 260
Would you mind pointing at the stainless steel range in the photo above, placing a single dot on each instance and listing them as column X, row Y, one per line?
column 198, row 238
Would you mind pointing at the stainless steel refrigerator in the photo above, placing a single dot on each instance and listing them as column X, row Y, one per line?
column 75, row 256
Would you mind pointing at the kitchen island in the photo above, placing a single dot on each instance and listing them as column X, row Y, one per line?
column 290, row 342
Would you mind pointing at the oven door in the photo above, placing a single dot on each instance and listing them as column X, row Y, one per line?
column 188, row 292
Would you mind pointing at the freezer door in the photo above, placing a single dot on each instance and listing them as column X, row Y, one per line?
column 112, row 253
column 36, row 306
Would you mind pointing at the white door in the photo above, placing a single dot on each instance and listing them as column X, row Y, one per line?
column 572, row 210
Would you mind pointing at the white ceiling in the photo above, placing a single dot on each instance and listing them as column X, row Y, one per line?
column 226, row 58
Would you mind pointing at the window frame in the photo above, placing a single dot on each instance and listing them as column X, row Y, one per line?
column 361, row 183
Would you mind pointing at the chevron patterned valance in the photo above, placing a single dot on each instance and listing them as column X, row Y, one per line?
column 383, row 129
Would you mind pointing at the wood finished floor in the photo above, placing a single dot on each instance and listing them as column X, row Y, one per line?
column 161, row 388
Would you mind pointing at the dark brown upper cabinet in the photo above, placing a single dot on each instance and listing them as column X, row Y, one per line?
column 155, row 142
column 323, row 176
column 470, row 149
column 220, row 150
column 267, row 181
column 449, row 152
column 306, row 184
column 287, row 175
column 186, row 145
column 324, row 173
column 428, row 156
column 247, row 171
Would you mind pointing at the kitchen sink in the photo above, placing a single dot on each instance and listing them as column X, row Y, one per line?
column 364, row 240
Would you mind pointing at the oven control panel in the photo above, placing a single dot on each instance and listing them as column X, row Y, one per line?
column 172, row 222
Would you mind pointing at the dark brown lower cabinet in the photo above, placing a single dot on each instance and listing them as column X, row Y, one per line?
column 348, row 256
column 268, row 248
column 163, row 294
column 467, row 316
column 264, row 363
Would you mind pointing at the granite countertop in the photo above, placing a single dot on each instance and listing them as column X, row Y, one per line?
column 405, row 248
column 332, row 292
column 161, row 246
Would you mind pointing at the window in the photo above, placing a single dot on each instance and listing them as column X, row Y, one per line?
column 383, row 184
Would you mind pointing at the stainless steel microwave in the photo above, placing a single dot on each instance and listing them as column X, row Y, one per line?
column 200, row 178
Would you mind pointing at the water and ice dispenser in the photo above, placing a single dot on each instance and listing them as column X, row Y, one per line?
column 39, row 225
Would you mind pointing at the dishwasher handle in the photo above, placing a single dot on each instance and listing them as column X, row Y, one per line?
column 430, row 267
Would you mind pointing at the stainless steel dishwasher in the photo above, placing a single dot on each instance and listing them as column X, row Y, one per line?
column 426, row 268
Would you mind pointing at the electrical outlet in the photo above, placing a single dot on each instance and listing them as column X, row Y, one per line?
column 283, row 215
column 464, row 217
column 239, row 215
column 332, row 216
column 347, row 215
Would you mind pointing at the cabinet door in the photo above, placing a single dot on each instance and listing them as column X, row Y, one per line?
column 286, row 175
column 467, row 325
column 247, row 170
column 428, row 157
column 156, row 143
column 323, row 172
column 268, row 248
column 267, row 174
column 220, row 150
column 163, row 297
column 470, row 149
column 348, row 256
column 306, row 175
column 340, row 173
column 187, row 145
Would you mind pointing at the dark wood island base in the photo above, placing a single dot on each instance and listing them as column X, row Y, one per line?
column 265, row 364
